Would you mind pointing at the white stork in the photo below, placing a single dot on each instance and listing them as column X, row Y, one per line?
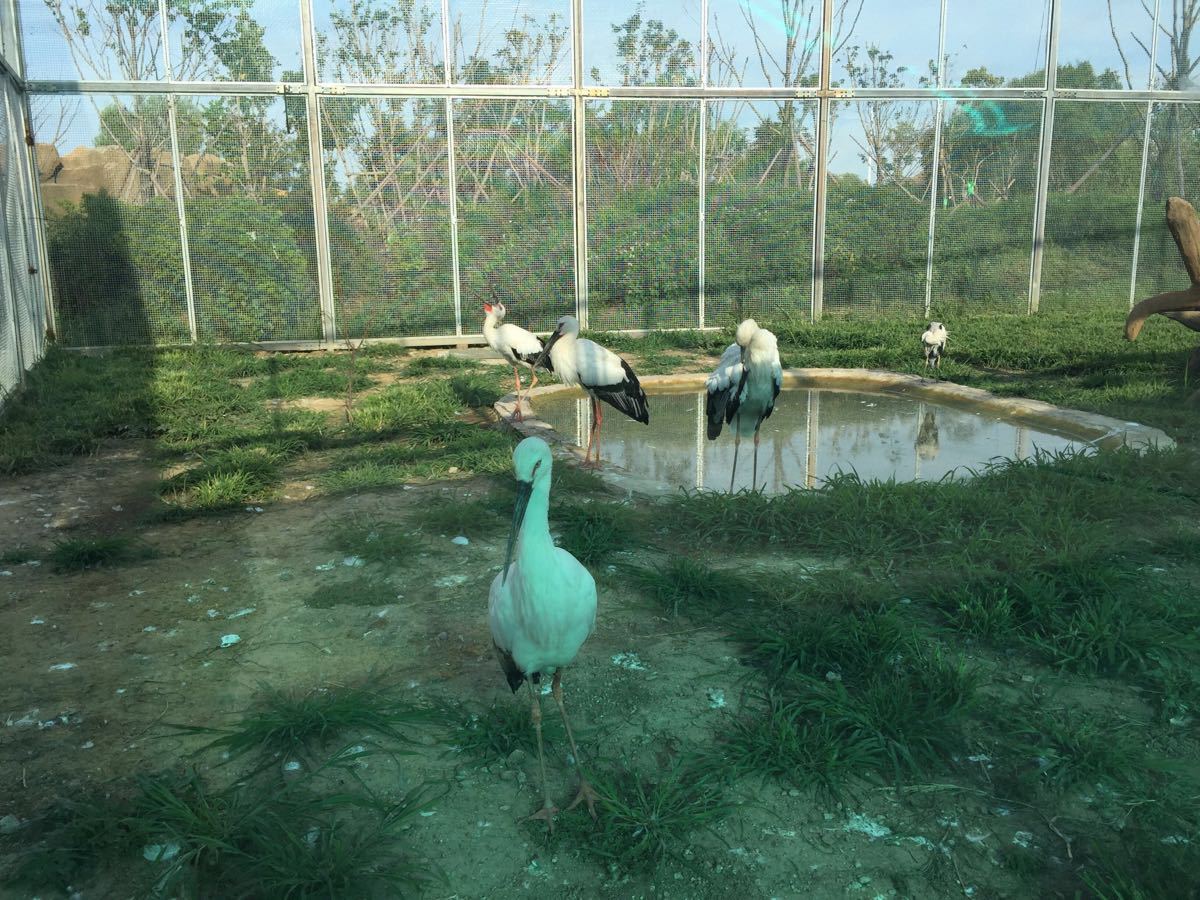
column 515, row 344
column 600, row 372
column 933, row 342
column 726, row 377
column 750, row 399
column 542, row 605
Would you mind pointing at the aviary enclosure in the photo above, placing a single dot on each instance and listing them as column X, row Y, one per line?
column 243, row 617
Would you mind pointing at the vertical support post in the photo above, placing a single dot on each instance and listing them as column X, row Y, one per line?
column 1141, row 201
column 316, row 174
column 177, row 174
column 1043, row 183
column 579, row 164
column 181, row 210
column 451, row 168
column 38, row 221
column 822, row 162
column 935, row 162
column 702, row 168
column 812, row 435
column 14, row 310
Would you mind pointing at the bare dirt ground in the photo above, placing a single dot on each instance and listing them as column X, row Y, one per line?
column 96, row 664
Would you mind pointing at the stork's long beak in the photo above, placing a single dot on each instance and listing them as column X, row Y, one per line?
column 550, row 342
column 524, row 489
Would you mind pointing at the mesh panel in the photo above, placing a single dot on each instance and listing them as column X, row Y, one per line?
column 260, row 42
column 766, row 44
column 759, row 216
column 625, row 44
column 378, row 42
column 990, row 43
column 1102, row 44
column 643, row 213
column 1173, row 170
column 122, row 41
column 511, row 42
column 250, row 219
column 868, row 53
column 10, row 370
column 1091, row 212
column 17, row 236
column 987, row 182
column 389, row 216
column 877, row 207
column 111, row 224
column 516, row 227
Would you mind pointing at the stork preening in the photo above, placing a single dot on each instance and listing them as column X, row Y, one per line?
column 933, row 342
column 518, row 346
column 600, row 372
column 743, row 388
column 542, row 606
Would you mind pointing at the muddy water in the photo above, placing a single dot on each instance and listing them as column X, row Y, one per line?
column 811, row 435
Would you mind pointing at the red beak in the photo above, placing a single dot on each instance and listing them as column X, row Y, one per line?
column 487, row 307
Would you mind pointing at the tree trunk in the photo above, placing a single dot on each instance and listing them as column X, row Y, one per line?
column 1181, row 220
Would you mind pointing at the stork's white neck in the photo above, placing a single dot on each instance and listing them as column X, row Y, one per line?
column 564, row 354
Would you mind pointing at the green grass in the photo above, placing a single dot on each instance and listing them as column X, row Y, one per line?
column 423, row 366
column 474, row 518
column 375, row 540
column 594, row 532
column 492, row 735
column 77, row 554
column 301, row 724
column 684, row 585
column 644, row 819
column 359, row 590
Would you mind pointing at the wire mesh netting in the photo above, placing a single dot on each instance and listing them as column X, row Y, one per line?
column 451, row 169
column 643, row 214
column 758, row 209
column 248, row 203
column 112, row 225
column 388, row 193
column 10, row 359
column 877, row 219
column 1091, row 216
column 516, row 223
column 1172, row 170
column 987, row 177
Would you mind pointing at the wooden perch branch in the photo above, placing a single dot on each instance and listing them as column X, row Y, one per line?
column 1183, row 306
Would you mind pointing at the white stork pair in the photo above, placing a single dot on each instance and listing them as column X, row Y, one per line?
column 743, row 387
column 576, row 361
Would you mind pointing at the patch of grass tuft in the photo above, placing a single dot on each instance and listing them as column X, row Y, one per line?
column 78, row 554
column 697, row 589
column 361, row 590
column 375, row 540
column 593, row 532
column 437, row 365
column 492, row 735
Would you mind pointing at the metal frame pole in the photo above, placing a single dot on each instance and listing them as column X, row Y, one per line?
column 316, row 176
column 822, row 162
column 27, row 172
column 14, row 310
column 1141, row 201
column 451, row 170
column 1047, row 140
column 177, row 177
column 935, row 162
column 702, row 168
column 579, row 165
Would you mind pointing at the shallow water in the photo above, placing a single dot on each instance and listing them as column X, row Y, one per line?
column 812, row 434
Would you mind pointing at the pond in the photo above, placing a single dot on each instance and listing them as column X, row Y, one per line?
column 814, row 433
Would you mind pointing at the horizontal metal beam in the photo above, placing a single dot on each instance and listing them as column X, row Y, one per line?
column 485, row 91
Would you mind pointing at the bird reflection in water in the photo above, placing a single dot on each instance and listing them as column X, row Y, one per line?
column 927, row 436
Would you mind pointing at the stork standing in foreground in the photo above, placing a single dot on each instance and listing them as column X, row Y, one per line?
column 600, row 372
column 542, row 606
column 744, row 387
column 933, row 341
column 515, row 344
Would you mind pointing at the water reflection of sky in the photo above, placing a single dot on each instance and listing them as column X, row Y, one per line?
column 813, row 434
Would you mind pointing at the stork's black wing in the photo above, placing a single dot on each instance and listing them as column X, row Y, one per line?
column 626, row 395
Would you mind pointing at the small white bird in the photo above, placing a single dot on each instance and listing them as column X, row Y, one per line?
column 542, row 606
column 600, row 372
column 933, row 341
column 515, row 344
column 753, row 399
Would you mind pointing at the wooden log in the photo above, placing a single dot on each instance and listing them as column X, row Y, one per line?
column 1185, row 228
column 1172, row 301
